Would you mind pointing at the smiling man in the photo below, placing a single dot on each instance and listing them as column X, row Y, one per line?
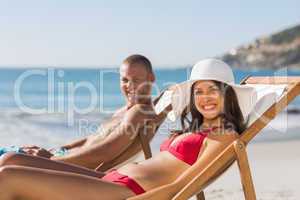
column 136, row 78
column 113, row 138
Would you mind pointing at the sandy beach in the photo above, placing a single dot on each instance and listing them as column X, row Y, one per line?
column 275, row 172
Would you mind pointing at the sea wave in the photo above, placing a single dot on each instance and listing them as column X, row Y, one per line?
column 52, row 130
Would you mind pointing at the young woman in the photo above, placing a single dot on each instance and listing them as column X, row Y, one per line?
column 212, row 119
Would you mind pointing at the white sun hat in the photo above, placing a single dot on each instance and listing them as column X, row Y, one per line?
column 208, row 69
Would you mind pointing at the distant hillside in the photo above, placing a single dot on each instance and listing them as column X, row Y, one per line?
column 278, row 50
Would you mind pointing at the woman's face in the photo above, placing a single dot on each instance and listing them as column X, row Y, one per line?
column 208, row 99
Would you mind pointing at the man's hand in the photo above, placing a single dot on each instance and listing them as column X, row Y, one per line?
column 37, row 151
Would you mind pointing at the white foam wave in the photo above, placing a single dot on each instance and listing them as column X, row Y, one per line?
column 51, row 130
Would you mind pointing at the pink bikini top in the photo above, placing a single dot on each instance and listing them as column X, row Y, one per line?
column 186, row 149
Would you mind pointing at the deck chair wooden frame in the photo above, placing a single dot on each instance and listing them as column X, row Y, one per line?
column 236, row 151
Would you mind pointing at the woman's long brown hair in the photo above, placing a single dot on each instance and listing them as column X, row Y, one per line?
column 232, row 116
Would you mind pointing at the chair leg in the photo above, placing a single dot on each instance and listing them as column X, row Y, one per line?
column 200, row 196
column 145, row 145
column 245, row 172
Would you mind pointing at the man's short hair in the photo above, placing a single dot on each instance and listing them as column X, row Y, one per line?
column 139, row 59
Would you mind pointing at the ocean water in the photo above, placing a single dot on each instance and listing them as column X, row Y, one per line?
column 51, row 107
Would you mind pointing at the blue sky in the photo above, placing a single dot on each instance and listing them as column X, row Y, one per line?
column 97, row 33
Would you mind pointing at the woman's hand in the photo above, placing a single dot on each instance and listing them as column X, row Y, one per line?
column 37, row 151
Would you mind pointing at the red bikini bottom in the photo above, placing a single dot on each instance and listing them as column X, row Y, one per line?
column 115, row 177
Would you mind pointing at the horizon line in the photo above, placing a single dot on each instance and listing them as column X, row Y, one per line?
column 88, row 66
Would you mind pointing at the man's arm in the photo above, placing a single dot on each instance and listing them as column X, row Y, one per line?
column 41, row 152
column 93, row 155
column 148, row 131
column 76, row 144
column 115, row 143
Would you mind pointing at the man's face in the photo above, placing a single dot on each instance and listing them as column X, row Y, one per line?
column 135, row 83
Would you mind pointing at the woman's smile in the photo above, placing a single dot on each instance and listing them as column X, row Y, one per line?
column 209, row 107
column 208, row 99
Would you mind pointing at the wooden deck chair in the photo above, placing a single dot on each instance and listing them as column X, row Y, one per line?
column 284, row 90
column 140, row 143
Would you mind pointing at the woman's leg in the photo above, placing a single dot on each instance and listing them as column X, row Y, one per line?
column 44, row 163
column 18, row 182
